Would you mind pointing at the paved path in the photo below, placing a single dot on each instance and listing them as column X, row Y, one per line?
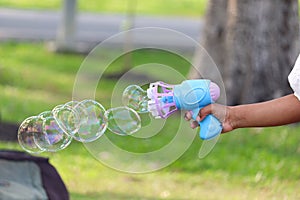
column 91, row 28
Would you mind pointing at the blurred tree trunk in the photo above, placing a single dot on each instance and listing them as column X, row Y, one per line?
column 259, row 48
column 213, row 39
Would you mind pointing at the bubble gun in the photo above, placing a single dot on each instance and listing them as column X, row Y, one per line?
column 191, row 95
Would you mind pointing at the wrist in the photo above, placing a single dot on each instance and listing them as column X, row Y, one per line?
column 235, row 117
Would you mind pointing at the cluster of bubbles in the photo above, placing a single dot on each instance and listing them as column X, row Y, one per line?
column 84, row 121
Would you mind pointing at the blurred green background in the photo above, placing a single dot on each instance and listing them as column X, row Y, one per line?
column 245, row 164
column 155, row 7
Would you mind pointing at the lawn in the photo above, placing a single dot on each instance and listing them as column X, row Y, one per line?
column 245, row 164
column 191, row 8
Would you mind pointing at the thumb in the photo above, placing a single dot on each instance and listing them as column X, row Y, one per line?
column 204, row 112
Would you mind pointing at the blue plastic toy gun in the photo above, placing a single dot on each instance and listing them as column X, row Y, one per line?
column 190, row 95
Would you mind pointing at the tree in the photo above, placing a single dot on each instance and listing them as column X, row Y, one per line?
column 254, row 44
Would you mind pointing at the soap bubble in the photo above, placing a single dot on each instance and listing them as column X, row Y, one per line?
column 136, row 98
column 123, row 120
column 54, row 138
column 94, row 124
column 67, row 118
column 83, row 121
column 79, row 109
column 29, row 130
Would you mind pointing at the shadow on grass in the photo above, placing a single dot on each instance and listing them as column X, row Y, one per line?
column 108, row 195
column 8, row 131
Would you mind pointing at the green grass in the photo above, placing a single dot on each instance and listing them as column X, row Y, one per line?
column 38, row 80
column 168, row 7
column 34, row 78
column 245, row 164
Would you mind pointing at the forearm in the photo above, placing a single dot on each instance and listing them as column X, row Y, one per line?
column 281, row 111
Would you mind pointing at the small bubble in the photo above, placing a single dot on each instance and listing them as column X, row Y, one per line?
column 136, row 98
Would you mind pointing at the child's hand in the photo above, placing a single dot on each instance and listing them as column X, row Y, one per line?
column 221, row 112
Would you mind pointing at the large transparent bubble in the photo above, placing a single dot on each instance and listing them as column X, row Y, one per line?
column 93, row 123
column 55, row 138
column 136, row 98
column 29, row 131
column 123, row 120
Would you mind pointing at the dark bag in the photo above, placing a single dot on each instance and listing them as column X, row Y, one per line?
column 51, row 181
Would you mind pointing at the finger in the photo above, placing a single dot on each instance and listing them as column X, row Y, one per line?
column 204, row 112
column 188, row 116
column 194, row 124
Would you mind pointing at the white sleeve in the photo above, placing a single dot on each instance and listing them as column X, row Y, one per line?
column 294, row 78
